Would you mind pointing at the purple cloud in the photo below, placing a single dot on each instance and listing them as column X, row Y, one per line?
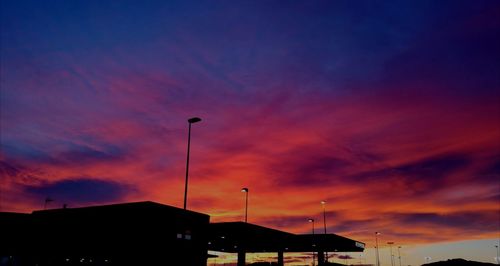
column 82, row 190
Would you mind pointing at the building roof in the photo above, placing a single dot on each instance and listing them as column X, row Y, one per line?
column 325, row 242
column 235, row 236
column 240, row 236
column 130, row 207
column 120, row 222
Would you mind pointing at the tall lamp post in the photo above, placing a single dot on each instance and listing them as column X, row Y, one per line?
column 323, row 202
column 376, row 248
column 190, row 121
column 246, row 202
column 399, row 255
column 312, row 229
column 390, row 248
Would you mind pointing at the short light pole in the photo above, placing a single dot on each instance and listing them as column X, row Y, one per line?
column 312, row 230
column 498, row 254
column 376, row 248
column 399, row 255
column 246, row 203
column 390, row 248
column 190, row 121
column 323, row 202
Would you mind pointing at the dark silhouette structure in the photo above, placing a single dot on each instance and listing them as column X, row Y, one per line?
column 13, row 233
column 242, row 238
column 458, row 262
column 245, row 190
column 142, row 233
column 190, row 121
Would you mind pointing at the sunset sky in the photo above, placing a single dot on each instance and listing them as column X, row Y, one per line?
column 388, row 110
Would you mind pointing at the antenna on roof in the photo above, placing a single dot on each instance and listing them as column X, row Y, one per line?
column 47, row 201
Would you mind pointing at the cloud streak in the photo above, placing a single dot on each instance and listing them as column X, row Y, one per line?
column 80, row 190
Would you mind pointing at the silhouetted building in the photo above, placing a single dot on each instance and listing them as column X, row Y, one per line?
column 14, row 234
column 243, row 238
column 142, row 233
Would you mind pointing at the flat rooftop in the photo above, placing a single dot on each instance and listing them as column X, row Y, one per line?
column 137, row 218
column 239, row 236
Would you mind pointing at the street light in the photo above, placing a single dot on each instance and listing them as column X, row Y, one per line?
column 246, row 202
column 323, row 202
column 390, row 247
column 399, row 255
column 190, row 121
column 312, row 222
column 376, row 248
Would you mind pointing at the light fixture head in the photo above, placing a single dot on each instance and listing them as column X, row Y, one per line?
column 194, row 120
column 310, row 220
column 244, row 190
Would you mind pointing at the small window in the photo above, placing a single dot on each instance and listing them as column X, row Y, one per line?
column 179, row 236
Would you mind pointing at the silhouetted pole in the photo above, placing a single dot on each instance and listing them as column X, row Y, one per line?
column 281, row 259
column 390, row 248
column 498, row 254
column 321, row 258
column 376, row 248
column 324, row 225
column 246, row 202
column 47, row 200
column 399, row 255
column 314, row 255
column 190, row 121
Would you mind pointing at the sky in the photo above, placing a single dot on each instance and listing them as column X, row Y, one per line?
column 387, row 110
